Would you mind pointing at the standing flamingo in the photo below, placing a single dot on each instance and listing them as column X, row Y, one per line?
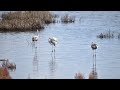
column 53, row 41
column 94, row 47
column 36, row 37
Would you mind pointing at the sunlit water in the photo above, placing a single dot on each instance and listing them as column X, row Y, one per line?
column 73, row 52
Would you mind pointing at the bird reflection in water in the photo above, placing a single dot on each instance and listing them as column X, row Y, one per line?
column 52, row 65
column 34, row 44
column 93, row 74
column 35, row 65
column 35, row 60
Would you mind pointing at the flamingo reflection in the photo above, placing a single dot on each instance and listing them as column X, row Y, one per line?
column 52, row 66
column 35, row 64
column 93, row 74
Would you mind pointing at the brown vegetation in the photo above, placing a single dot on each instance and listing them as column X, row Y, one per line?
column 25, row 20
column 79, row 76
column 4, row 73
column 93, row 75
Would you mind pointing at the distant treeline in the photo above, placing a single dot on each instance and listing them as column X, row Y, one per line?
column 25, row 20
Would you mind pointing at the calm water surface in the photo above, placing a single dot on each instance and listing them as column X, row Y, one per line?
column 73, row 52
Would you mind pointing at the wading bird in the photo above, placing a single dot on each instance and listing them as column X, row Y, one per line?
column 53, row 41
column 36, row 37
column 94, row 47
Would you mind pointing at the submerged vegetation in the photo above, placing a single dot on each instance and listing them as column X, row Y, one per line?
column 25, row 20
column 109, row 35
column 68, row 19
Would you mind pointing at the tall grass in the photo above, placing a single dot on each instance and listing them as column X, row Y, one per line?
column 25, row 20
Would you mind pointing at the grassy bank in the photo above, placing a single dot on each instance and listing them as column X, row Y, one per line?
column 25, row 20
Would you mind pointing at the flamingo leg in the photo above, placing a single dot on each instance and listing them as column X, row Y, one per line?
column 93, row 53
column 52, row 48
column 35, row 44
column 95, row 63
column 54, row 52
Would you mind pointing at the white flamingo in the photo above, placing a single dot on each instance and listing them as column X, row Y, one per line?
column 53, row 41
column 36, row 37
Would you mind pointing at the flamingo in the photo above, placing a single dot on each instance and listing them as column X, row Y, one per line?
column 94, row 47
column 36, row 37
column 53, row 41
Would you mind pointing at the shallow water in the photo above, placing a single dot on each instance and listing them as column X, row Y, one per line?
column 73, row 52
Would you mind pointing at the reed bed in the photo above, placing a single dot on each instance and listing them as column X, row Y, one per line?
column 25, row 20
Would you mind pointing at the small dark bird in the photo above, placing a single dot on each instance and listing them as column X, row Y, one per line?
column 94, row 46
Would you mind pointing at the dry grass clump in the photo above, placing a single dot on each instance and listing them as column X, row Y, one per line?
column 4, row 73
column 79, row 76
column 25, row 20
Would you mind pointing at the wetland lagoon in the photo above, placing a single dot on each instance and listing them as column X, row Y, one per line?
column 75, row 31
